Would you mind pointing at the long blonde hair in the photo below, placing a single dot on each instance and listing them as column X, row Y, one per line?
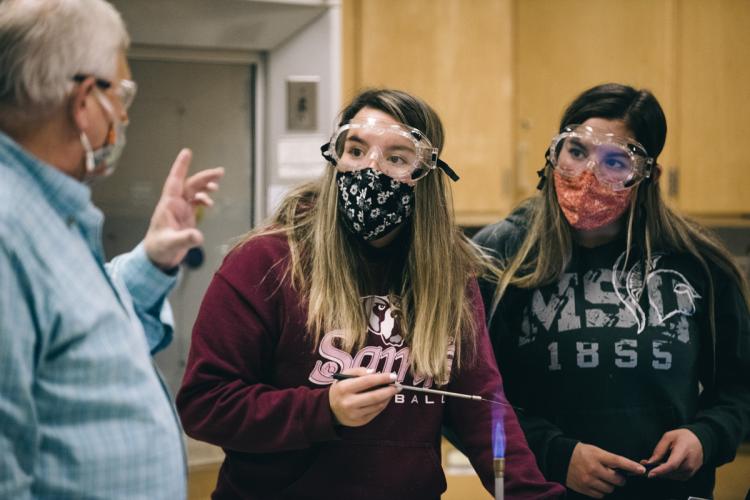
column 325, row 264
column 651, row 225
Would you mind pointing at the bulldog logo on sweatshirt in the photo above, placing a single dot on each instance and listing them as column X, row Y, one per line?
column 383, row 320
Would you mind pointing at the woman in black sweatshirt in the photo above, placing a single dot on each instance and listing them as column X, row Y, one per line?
column 620, row 327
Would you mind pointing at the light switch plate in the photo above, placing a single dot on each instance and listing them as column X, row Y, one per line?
column 302, row 104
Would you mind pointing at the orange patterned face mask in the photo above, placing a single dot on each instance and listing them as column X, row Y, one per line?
column 586, row 203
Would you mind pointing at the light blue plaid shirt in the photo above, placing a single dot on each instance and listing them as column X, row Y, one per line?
column 83, row 412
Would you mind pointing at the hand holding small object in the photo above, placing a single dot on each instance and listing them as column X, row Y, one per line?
column 437, row 392
column 681, row 452
column 647, row 466
column 359, row 399
column 596, row 472
column 172, row 230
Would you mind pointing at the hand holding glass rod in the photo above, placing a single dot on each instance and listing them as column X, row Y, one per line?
column 341, row 376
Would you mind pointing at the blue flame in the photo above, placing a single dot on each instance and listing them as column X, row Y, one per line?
column 498, row 439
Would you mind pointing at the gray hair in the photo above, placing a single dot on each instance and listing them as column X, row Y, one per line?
column 45, row 43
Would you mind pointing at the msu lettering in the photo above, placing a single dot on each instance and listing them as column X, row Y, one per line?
column 652, row 326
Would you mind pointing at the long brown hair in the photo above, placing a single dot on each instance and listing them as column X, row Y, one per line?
column 651, row 224
column 436, row 310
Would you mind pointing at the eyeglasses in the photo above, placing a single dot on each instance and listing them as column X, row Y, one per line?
column 125, row 89
column 617, row 162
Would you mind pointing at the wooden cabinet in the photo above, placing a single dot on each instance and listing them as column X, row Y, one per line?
column 713, row 125
column 457, row 56
column 692, row 54
column 566, row 46
column 501, row 72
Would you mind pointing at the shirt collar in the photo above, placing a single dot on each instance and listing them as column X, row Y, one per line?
column 68, row 196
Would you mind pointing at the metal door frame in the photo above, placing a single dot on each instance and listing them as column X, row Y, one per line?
column 256, row 63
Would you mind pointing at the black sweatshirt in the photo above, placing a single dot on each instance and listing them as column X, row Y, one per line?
column 590, row 358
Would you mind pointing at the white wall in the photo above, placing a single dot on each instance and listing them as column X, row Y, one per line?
column 315, row 51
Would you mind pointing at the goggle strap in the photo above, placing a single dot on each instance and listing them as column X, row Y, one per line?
column 542, row 177
column 325, row 150
column 541, row 172
column 448, row 171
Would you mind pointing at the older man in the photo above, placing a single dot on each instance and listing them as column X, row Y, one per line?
column 83, row 413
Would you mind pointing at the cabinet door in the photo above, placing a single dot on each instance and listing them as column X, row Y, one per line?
column 567, row 46
column 714, row 126
column 457, row 56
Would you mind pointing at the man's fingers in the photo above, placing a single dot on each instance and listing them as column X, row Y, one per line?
column 202, row 198
column 206, row 176
column 205, row 180
column 186, row 239
column 177, row 174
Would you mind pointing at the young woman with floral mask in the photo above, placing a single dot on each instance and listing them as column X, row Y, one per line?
column 362, row 272
column 619, row 326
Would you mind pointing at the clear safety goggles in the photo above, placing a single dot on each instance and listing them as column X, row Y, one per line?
column 617, row 162
column 401, row 152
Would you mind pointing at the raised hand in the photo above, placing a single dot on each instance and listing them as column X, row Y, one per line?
column 172, row 230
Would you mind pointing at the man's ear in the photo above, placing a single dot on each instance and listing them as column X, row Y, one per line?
column 79, row 103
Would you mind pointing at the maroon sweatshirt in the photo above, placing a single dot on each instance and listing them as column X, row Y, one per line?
column 256, row 386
